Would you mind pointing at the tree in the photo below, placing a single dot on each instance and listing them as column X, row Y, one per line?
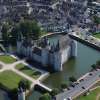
column 98, row 63
column 5, row 32
column 45, row 96
column 94, row 66
column 24, row 84
column 30, row 29
column 64, row 85
column 72, row 79
column 55, row 92
column 96, row 20
column 13, row 94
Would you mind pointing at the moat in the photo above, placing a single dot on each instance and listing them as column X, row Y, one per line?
column 76, row 67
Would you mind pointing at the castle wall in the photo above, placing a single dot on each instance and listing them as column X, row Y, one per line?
column 45, row 57
column 51, row 58
column 37, row 57
column 74, row 48
column 65, row 54
column 28, row 51
column 18, row 47
column 56, row 59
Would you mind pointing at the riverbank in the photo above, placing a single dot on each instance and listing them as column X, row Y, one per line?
column 92, row 93
column 83, row 86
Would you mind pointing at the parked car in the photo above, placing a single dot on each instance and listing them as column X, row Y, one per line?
column 90, row 74
column 81, row 80
column 69, row 98
column 83, row 87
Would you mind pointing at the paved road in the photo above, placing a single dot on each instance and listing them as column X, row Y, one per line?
column 88, row 81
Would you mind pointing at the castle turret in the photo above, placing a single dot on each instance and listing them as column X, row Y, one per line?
column 74, row 48
column 45, row 52
column 19, row 43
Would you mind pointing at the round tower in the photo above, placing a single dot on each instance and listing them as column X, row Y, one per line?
column 57, row 61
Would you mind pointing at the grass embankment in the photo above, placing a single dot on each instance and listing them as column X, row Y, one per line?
column 10, row 80
column 28, row 71
column 7, row 59
column 92, row 96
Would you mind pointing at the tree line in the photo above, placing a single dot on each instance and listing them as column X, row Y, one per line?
column 28, row 28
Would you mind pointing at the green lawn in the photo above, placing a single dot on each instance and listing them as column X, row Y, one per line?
column 10, row 79
column 32, row 73
column 97, row 35
column 7, row 59
column 92, row 96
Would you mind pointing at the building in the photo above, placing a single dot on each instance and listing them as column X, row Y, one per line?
column 54, row 55
column 52, row 15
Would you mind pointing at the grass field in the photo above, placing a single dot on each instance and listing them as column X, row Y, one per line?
column 9, row 79
column 7, row 59
column 32, row 73
column 97, row 35
column 92, row 96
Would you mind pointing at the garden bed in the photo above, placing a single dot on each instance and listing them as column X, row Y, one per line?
column 28, row 71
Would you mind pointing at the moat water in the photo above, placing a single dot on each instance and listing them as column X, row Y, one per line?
column 3, row 95
column 77, row 67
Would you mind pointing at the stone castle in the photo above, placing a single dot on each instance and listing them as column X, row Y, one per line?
column 54, row 55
